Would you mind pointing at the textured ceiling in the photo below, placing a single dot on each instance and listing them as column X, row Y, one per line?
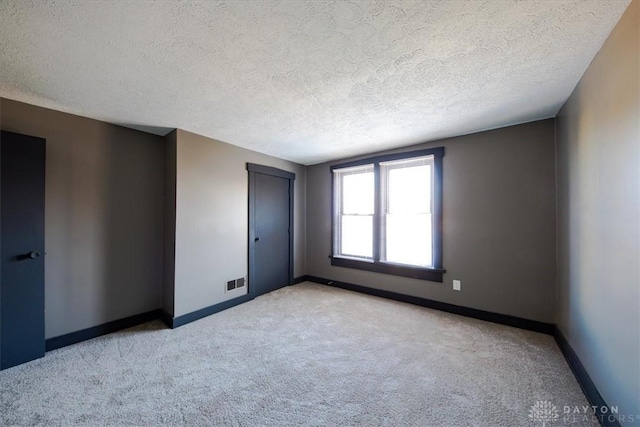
column 307, row 81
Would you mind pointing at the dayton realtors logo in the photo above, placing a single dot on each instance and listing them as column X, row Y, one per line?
column 544, row 412
column 547, row 413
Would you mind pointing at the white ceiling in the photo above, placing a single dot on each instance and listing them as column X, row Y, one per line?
column 306, row 81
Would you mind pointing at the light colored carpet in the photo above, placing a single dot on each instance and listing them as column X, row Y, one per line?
column 303, row 355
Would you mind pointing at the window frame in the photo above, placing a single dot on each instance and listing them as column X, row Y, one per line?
column 341, row 214
column 433, row 274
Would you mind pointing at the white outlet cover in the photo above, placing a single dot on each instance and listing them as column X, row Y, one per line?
column 456, row 285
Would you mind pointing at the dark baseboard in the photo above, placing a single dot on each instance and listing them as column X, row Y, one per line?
column 128, row 322
column 503, row 319
column 166, row 318
column 175, row 322
column 208, row 311
column 588, row 387
column 300, row 280
column 97, row 331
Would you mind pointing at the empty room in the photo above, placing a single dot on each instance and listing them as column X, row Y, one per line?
column 320, row 213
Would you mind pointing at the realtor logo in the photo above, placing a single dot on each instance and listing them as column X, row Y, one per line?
column 544, row 412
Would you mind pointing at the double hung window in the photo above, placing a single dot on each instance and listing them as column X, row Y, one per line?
column 387, row 214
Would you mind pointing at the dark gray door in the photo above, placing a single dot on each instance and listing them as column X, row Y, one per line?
column 22, row 168
column 271, row 252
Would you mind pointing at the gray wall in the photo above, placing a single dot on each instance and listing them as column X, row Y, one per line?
column 169, row 228
column 212, row 219
column 598, row 138
column 103, row 219
column 498, row 231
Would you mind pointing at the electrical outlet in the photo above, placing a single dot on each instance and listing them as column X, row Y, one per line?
column 231, row 285
column 456, row 285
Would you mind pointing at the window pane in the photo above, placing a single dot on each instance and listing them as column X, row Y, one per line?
column 408, row 239
column 409, row 189
column 357, row 193
column 357, row 236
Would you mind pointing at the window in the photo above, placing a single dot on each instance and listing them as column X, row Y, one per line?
column 387, row 214
column 356, row 194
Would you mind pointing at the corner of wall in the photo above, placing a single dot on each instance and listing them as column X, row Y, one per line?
column 169, row 223
column 555, row 231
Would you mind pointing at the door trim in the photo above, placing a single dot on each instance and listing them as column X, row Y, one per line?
column 266, row 170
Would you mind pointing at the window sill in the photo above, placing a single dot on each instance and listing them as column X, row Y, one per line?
column 430, row 274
